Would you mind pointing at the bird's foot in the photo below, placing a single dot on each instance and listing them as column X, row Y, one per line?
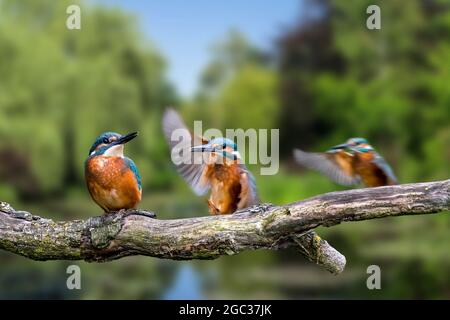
column 135, row 212
column 145, row 213
column 24, row 215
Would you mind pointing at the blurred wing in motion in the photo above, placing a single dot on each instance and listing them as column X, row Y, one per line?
column 386, row 169
column 336, row 165
column 189, row 164
column 248, row 196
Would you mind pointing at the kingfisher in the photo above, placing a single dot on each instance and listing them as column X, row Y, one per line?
column 214, row 165
column 112, row 179
column 350, row 163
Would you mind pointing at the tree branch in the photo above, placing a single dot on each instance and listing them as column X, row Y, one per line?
column 133, row 232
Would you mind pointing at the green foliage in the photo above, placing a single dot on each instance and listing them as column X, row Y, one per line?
column 60, row 88
column 238, row 88
column 249, row 99
column 229, row 56
column 387, row 85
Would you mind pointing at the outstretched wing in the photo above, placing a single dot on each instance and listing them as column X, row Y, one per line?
column 334, row 165
column 180, row 139
column 385, row 168
column 248, row 196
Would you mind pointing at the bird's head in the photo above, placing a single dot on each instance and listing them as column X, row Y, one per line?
column 220, row 150
column 110, row 144
column 354, row 145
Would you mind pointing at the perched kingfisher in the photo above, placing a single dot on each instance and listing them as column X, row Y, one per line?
column 112, row 179
column 350, row 163
column 214, row 164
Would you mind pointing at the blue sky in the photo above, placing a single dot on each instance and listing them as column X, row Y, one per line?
column 185, row 30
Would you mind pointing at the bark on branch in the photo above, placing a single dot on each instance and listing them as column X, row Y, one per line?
column 129, row 233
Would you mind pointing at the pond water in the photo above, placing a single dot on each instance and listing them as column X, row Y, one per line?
column 186, row 286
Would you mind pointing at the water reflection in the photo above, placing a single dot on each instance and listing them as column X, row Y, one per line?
column 186, row 285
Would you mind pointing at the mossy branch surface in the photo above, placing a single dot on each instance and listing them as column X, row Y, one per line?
column 134, row 232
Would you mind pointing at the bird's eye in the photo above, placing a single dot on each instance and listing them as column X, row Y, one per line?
column 105, row 140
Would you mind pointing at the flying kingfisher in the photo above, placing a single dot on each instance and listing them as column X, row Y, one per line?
column 112, row 179
column 214, row 164
column 350, row 163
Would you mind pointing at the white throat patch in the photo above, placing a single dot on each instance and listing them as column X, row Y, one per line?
column 115, row 151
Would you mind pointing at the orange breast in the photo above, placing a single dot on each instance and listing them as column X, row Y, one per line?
column 371, row 175
column 111, row 183
column 225, row 188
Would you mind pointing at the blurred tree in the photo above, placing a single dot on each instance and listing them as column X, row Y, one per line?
column 229, row 56
column 304, row 51
column 60, row 88
column 338, row 79
column 238, row 87
column 249, row 99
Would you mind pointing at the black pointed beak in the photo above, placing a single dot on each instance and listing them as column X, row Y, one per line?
column 126, row 138
column 203, row 148
column 340, row 146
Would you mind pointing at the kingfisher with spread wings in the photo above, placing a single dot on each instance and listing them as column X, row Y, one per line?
column 350, row 163
column 210, row 164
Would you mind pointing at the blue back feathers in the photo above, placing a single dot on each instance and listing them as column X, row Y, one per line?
column 130, row 163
